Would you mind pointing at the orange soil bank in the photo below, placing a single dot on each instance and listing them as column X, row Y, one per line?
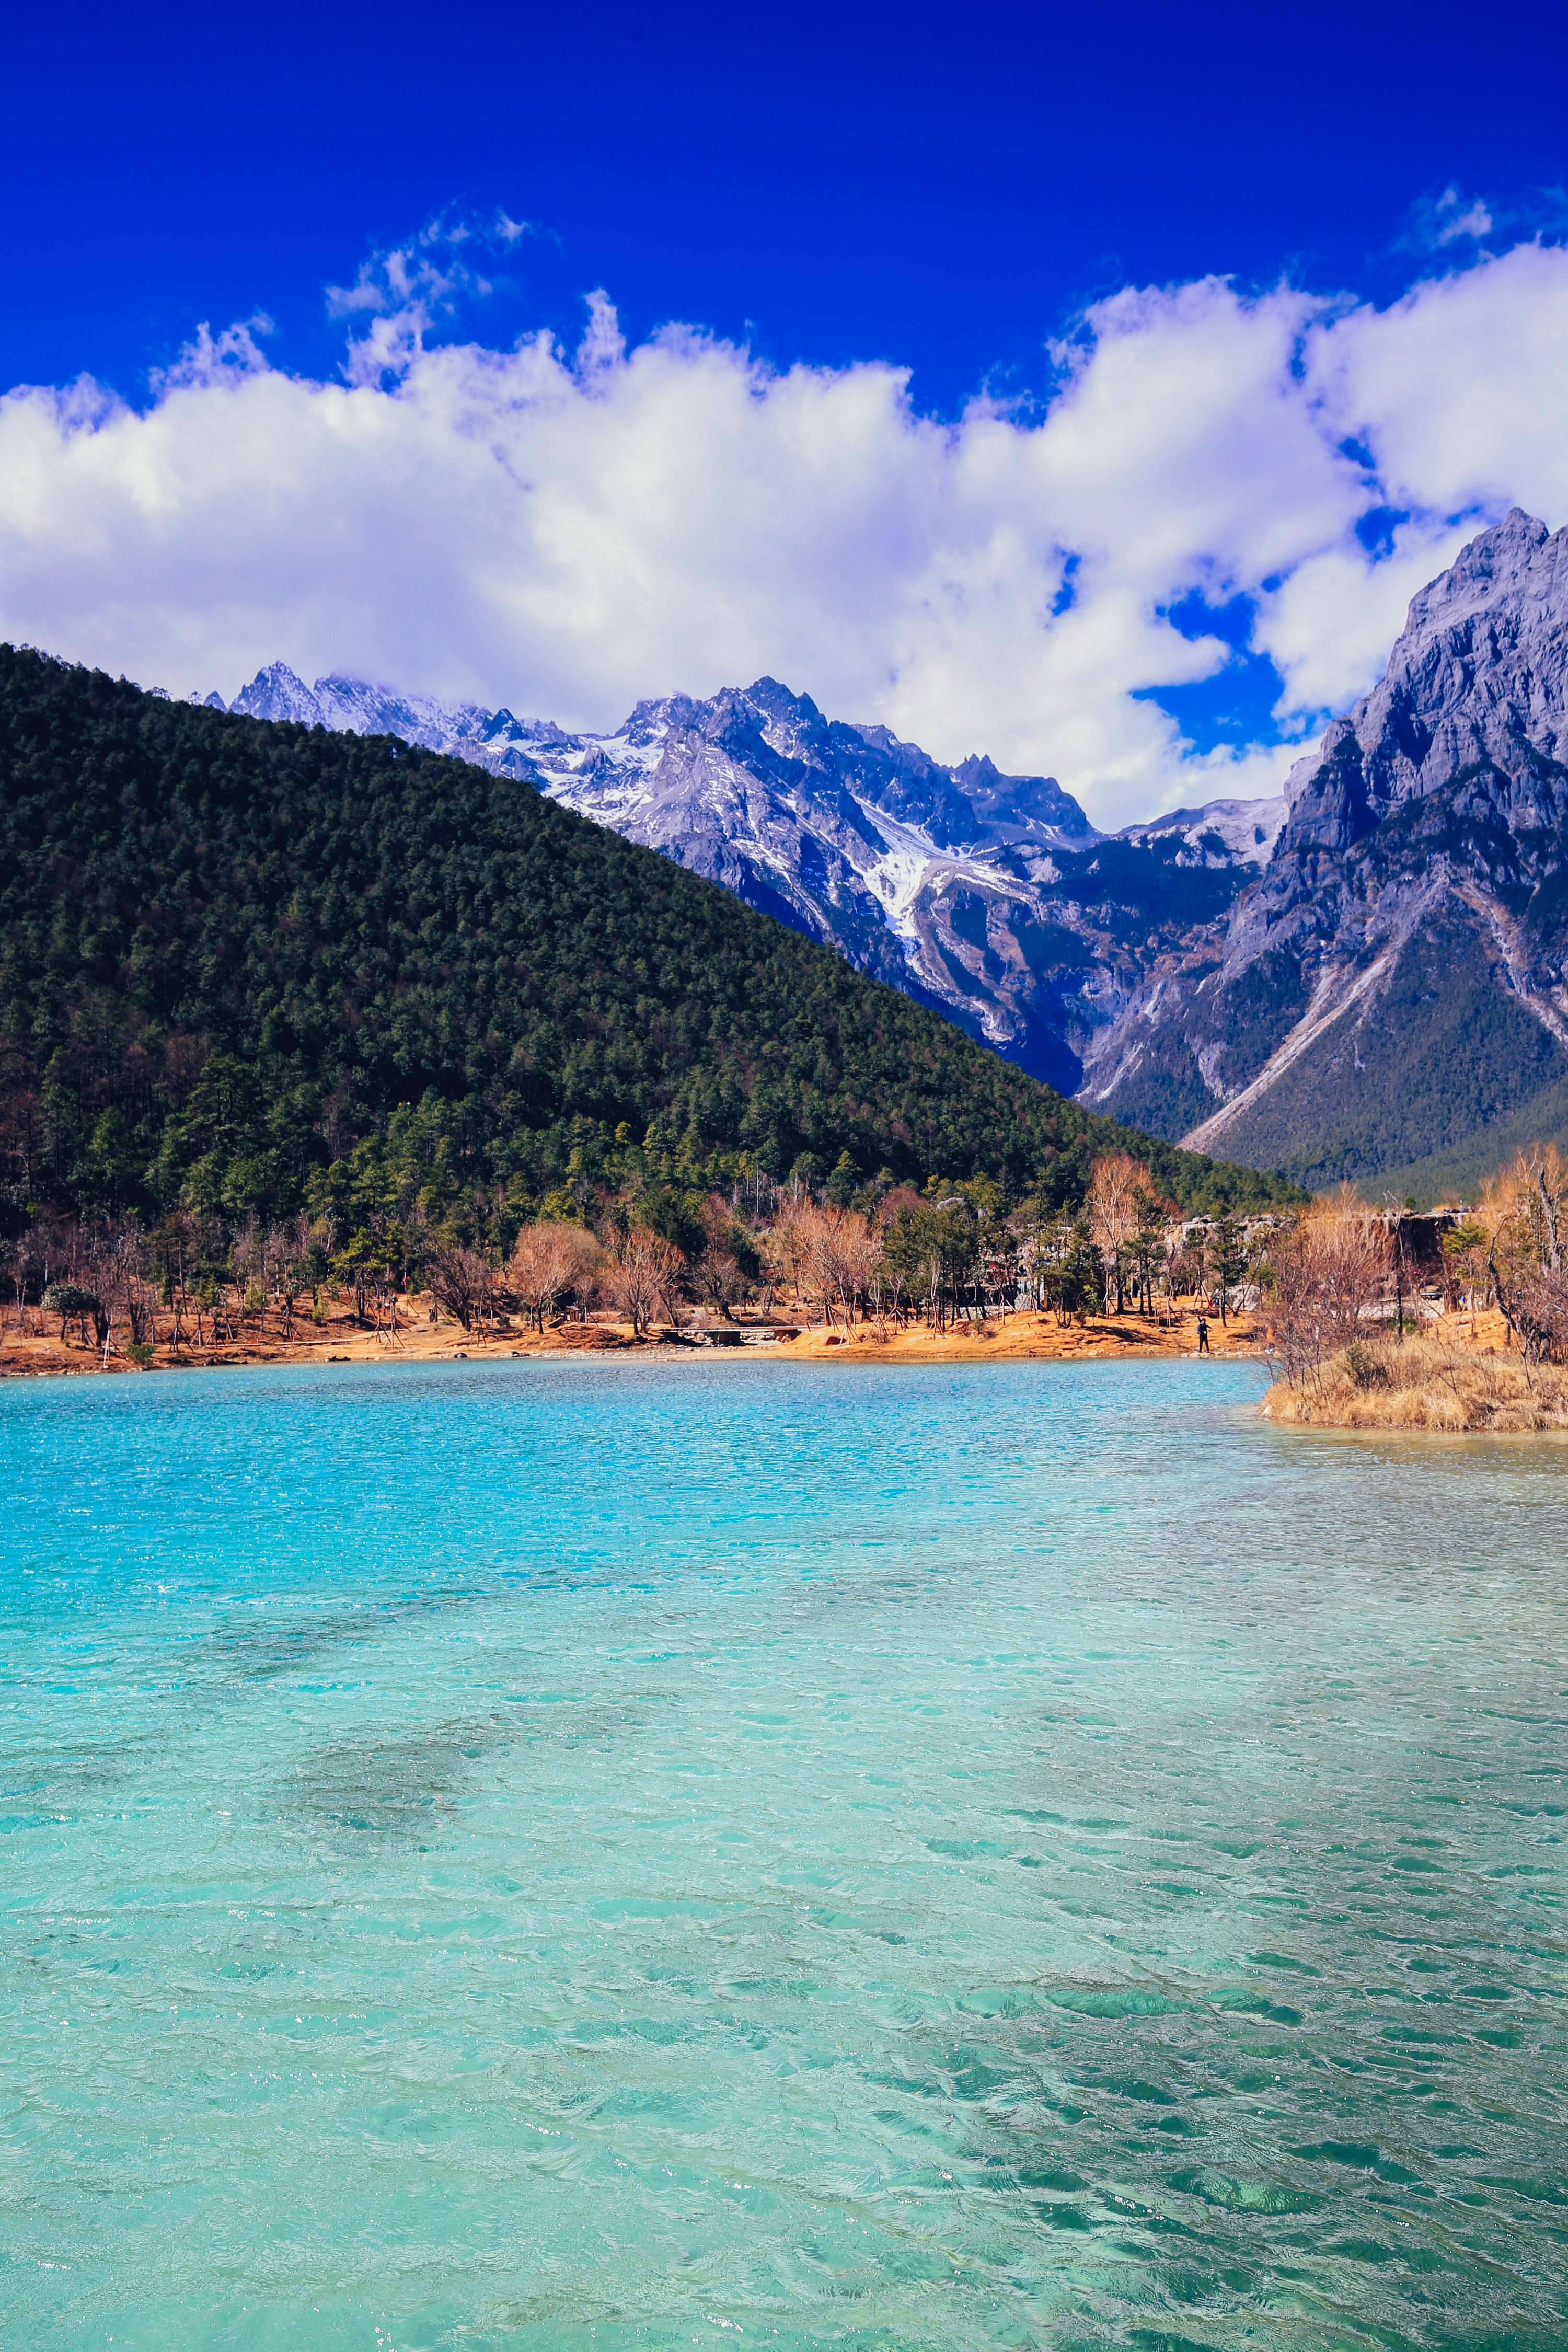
column 1018, row 1336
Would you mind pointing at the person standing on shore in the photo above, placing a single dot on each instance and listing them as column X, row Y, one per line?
column 1203, row 1335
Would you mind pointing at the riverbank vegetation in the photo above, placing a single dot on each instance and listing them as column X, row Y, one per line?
column 297, row 1028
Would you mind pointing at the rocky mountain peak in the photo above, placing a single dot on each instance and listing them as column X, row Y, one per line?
column 1518, row 562
column 1394, row 987
column 279, row 692
column 968, row 887
column 651, row 720
column 1348, row 980
column 1477, row 678
column 1020, row 805
column 776, row 702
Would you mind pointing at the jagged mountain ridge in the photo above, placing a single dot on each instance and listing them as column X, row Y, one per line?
column 990, row 898
column 1391, row 998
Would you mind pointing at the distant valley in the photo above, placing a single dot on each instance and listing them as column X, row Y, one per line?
column 1364, row 978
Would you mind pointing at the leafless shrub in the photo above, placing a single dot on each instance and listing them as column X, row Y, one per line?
column 1328, row 1270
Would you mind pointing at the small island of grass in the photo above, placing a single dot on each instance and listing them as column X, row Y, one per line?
column 1489, row 1353
column 1434, row 1381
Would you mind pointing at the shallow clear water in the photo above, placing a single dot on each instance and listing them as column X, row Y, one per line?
column 553, row 1854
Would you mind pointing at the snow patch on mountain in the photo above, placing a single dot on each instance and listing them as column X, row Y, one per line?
column 1246, row 830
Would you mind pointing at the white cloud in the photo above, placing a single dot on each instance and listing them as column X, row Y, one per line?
column 1449, row 220
column 566, row 532
column 1472, row 220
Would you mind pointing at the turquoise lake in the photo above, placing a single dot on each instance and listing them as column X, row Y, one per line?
column 539, row 1854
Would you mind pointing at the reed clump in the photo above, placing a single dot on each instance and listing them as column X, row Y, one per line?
column 1420, row 1384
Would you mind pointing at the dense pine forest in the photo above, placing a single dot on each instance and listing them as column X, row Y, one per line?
column 248, row 968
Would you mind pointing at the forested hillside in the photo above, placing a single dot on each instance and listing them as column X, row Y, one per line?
column 234, row 953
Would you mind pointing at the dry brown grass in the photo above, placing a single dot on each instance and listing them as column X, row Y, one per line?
column 1425, row 1384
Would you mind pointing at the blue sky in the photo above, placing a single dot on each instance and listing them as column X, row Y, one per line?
column 826, row 188
column 833, row 183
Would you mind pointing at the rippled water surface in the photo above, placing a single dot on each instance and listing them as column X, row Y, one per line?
column 546, row 1855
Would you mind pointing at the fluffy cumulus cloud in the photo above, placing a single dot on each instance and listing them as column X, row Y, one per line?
column 563, row 532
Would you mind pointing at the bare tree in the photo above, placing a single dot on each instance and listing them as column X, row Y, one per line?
column 718, row 1277
column 113, row 1287
column 246, row 1266
column 1120, row 1200
column 1524, row 1211
column 718, row 1281
column 589, row 1263
column 135, row 1285
column 852, row 1247
column 13, row 1253
column 296, row 1266
column 819, row 1268
column 462, row 1283
column 835, row 1250
column 785, row 1249
column 176, row 1242
column 644, row 1277
column 550, row 1260
column 1328, row 1270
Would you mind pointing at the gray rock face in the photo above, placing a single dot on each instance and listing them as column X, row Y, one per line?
column 275, row 692
column 990, row 897
column 1480, row 676
column 1391, row 992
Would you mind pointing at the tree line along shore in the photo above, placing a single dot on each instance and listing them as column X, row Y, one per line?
column 845, row 1262
column 1371, row 1316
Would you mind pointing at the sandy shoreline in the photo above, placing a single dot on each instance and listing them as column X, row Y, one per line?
column 1022, row 1337
column 1027, row 1338
column 1018, row 1336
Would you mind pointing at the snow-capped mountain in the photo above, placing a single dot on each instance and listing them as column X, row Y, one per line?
column 490, row 739
column 990, row 897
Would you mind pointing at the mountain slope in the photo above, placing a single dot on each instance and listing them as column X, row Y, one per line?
column 1391, row 994
column 990, row 898
column 233, row 949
